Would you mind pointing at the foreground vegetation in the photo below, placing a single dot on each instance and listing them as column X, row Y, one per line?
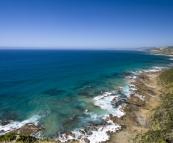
column 161, row 116
column 15, row 138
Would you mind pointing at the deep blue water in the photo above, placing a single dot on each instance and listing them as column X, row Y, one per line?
column 56, row 85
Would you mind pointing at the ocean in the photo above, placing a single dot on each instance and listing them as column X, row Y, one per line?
column 63, row 90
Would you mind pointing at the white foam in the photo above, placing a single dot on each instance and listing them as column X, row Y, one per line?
column 95, row 136
column 154, row 69
column 104, row 102
column 126, row 90
column 16, row 124
column 101, row 134
column 135, row 73
column 94, row 116
column 131, row 77
column 171, row 59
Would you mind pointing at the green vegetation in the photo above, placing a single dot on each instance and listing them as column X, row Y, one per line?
column 15, row 138
column 167, row 76
column 18, row 138
column 161, row 116
column 8, row 137
column 167, row 50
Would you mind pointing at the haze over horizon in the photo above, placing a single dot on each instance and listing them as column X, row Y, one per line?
column 85, row 24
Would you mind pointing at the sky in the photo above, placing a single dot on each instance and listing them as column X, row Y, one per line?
column 90, row 24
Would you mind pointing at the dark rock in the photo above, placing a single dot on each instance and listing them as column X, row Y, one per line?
column 75, row 141
column 3, row 123
column 71, row 134
column 86, row 140
column 117, row 101
column 2, row 131
column 93, row 127
column 135, row 100
column 82, row 132
column 116, row 120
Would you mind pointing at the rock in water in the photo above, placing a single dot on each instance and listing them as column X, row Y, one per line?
column 28, row 129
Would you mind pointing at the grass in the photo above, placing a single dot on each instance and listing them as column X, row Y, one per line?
column 167, row 76
column 17, row 138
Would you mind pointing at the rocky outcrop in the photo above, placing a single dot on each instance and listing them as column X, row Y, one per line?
column 135, row 100
column 117, row 101
column 28, row 129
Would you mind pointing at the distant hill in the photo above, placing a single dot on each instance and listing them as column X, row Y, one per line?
column 167, row 50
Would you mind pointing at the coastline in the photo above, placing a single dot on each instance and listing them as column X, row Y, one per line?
column 162, row 55
column 135, row 117
column 142, row 100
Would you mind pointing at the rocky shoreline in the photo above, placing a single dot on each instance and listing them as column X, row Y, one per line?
column 144, row 96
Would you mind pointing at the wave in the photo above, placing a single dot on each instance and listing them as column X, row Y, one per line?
column 98, row 132
column 13, row 125
column 93, row 133
column 103, row 101
column 154, row 69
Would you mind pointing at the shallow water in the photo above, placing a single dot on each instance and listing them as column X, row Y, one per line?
column 54, row 88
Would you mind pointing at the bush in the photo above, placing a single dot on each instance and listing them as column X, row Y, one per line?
column 8, row 137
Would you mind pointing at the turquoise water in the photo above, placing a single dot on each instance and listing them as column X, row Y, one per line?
column 54, row 87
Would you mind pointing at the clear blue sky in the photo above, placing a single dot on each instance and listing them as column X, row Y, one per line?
column 86, row 23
